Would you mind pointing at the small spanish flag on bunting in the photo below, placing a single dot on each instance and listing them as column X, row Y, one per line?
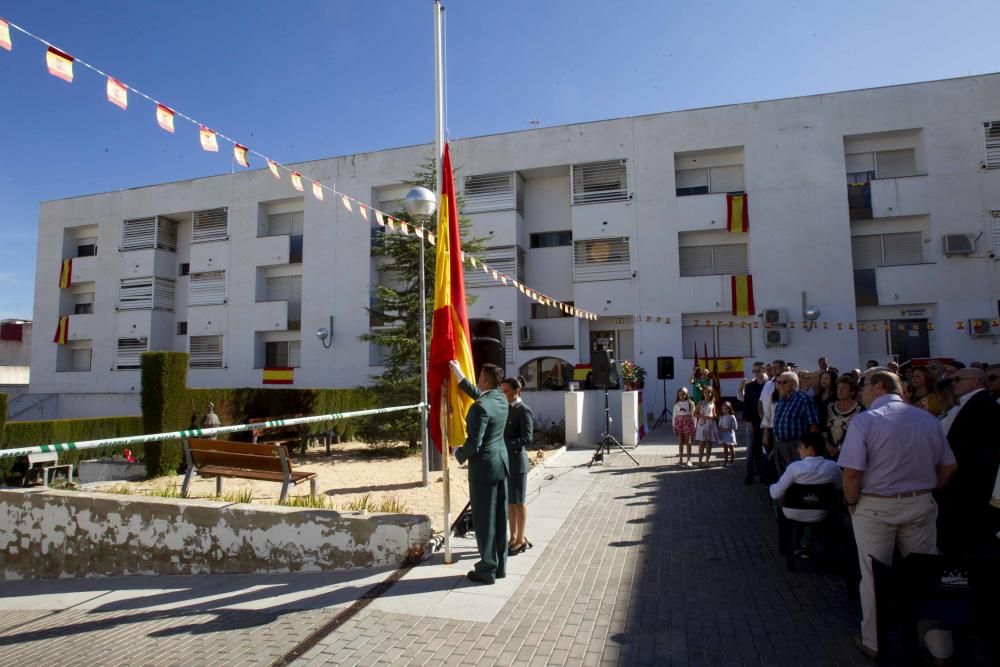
column 62, row 330
column 278, row 376
column 379, row 219
column 240, row 155
column 297, row 181
column 5, row 35
column 66, row 273
column 317, row 191
column 363, row 210
column 117, row 93
column 208, row 141
column 737, row 218
column 347, row 202
column 165, row 117
column 273, row 166
column 742, row 289
column 60, row 64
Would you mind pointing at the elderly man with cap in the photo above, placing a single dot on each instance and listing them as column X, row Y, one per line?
column 894, row 455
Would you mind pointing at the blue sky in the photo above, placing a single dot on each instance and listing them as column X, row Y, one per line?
column 319, row 78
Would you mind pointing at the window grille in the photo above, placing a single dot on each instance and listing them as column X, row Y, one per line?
column 146, row 294
column 129, row 353
column 599, row 182
column 490, row 192
column 714, row 260
column 601, row 259
column 508, row 260
column 992, row 131
column 205, row 352
column 207, row 288
column 147, row 233
column 210, row 225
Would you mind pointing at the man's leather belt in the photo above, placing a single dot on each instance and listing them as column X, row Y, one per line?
column 904, row 494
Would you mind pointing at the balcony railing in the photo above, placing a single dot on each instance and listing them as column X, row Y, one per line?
column 859, row 198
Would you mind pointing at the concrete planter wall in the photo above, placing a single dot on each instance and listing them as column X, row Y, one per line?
column 61, row 534
column 107, row 470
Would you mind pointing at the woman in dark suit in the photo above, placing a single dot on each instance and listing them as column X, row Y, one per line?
column 517, row 435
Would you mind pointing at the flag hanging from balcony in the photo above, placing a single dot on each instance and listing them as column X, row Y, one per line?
column 737, row 217
column 278, row 376
column 117, row 93
column 450, row 337
column 208, row 141
column 240, row 155
column 5, row 35
column 60, row 64
column 742, row 289
column 165, row 117
column 273, row 166
column 66, row 273
column 62, row 330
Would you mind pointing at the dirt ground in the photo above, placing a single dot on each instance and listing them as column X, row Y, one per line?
column 346, row 475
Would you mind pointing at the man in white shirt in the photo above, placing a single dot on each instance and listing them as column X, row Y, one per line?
column 766, row 407
column 811, row 469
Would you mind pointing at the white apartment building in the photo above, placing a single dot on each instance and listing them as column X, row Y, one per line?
column 875, row 206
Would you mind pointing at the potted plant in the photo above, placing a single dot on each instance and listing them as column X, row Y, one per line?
column 633, row 376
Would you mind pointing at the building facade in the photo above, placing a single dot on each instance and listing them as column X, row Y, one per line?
column 879, row 207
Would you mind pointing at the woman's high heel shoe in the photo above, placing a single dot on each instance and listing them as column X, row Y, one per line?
column 513, row 551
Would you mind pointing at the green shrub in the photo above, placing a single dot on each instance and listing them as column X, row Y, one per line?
column 51, row 431
column 164, row 388
column 552, row 433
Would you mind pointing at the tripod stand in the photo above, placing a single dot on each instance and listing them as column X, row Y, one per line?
column 604, row 446
column 664, row 417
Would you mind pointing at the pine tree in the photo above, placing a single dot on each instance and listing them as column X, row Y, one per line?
column 397, row 302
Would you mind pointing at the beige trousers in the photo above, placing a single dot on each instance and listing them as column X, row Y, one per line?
column 879, row 525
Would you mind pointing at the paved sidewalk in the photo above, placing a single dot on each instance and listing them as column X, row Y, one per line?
column 633, row 565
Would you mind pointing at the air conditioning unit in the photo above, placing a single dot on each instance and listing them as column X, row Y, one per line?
column 959, row 244
column 525, row 334
column 982, row 327
column 775, row 337
column 775, row 316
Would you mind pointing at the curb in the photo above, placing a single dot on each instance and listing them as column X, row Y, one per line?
column 536, row 470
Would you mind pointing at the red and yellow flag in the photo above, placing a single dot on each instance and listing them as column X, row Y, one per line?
column 5, row 35
column 726, row 367
column 60, row 64
column 742, row 288
column 62, row 330
column 273, row 166
column 208, row 141
column 737, row 217
column 117, row 93
column 317, row 191
column 240, row 155
column 297, row 181
column 66, row 273
column 278, row 376
column 450, row 337
column 165, row 117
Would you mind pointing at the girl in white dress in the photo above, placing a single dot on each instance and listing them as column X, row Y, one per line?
column 727, row 432
column 708, row 431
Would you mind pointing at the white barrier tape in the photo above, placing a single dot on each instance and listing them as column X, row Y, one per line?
column 194, row 433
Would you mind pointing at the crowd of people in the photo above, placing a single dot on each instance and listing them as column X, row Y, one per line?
column 909, row 449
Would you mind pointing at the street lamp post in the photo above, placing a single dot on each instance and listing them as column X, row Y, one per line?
column 420, row 204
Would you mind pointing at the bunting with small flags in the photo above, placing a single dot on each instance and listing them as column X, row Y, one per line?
column 240, row 155
column 62, row 330
column 5, row 42
column 66, row 273
column 737, row 216
column 208, row 141
column 117, row 93
column 60, row 64
column 165, row 118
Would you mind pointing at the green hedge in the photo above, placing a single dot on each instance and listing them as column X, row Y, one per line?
column 28, row 433
column 164, row 385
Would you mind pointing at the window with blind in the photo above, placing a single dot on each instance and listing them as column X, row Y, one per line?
column 709, row 180
column 601, row 259
column 724, row 341
column 207, row 288
column 83, row 303
column 490, row 192
column 992, row 132
column 288, row 288
column 80, row 357
column 876, row 250
column 864, row 167
column 129, row 352
column 147, row 233
column 146, row 294
column 508, row 343
column 540, row 311
column 599, row 182
column 282, row 354
column 508, row 260
column 210, row 225
column 205, row 352
column 551, row 239
column 713, row 260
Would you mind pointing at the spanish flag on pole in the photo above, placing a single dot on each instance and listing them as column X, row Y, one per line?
column 450, row 337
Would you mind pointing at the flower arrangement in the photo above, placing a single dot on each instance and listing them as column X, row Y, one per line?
column 633, row 375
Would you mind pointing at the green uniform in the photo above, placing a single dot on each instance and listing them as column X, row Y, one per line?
column 488, row 469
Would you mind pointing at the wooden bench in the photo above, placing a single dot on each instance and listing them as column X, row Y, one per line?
column 45, row 463
column 243, row 460
column 287, row 436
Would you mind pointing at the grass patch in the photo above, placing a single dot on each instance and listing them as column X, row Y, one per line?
column 120, row 489
column 172, row 491
column 311, row 502
column 244, row 496
column 391, row 505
